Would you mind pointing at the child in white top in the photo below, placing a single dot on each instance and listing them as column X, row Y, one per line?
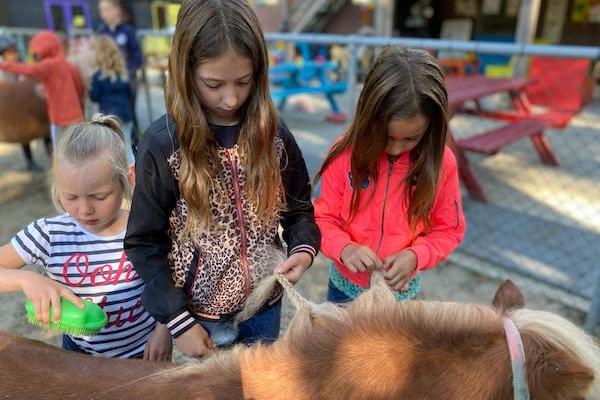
column 82, row 249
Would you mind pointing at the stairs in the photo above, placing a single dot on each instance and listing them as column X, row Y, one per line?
column 313, row 15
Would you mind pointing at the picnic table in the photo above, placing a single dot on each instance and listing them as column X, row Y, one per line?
column 291, row 78
column 521, row 123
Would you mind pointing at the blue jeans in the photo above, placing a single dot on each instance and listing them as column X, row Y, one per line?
column 335, row 295
column 69, row 344
column 263, row 326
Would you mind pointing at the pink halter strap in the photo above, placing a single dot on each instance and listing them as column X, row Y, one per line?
column 517, row 359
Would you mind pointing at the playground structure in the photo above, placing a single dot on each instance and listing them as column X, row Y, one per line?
column 64, row 15
column 306, row 74
column 164, row 16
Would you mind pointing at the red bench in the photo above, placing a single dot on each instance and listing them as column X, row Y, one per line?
column 491, row 142
column 561, row 85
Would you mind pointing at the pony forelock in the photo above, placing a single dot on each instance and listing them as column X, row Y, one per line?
column 564, row 335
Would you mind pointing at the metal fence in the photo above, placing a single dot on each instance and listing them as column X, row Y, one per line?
column 541, row 221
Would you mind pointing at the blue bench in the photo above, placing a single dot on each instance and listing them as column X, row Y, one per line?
column 308, row 77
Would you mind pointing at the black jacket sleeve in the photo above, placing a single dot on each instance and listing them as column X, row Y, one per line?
column 300, row 231
column 147, row 242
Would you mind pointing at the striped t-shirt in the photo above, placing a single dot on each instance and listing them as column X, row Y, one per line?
column 94, row 268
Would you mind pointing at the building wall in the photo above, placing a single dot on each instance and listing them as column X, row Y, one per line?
column 25, row 13
column 30, row 13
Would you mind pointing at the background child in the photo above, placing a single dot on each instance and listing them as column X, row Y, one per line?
column 23, row 115
column 61, row 80
column 389, row 192
column 116, row 25
column 110, row 87
column 82, row 250
column 215, row 177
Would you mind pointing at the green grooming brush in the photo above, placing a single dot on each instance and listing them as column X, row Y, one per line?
column 86, row 321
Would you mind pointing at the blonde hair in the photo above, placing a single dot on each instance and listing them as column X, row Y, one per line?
column 82, row 141
column 109, row 59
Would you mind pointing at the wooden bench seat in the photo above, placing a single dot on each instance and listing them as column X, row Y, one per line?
column 493, row 141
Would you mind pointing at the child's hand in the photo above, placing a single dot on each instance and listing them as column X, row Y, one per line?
column 160, row 345
column 195, row 342
column 43, row 292
column 399, row 268
column 295, row 266
column 360, row 258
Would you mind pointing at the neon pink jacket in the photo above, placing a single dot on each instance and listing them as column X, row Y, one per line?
column 382, row 224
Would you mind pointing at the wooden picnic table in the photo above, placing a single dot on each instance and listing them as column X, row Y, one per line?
column 521, row 123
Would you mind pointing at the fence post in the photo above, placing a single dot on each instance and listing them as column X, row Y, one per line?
column 526, row 25
column 352, row 72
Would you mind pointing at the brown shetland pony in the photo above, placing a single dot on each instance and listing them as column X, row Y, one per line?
column 23, row 116
column 375, row 348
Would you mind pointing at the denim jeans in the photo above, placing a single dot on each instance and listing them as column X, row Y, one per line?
column 69, row 344
column 56, row 132
column 335, row 295
column 263, row 326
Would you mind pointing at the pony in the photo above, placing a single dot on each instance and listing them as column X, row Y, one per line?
column 23, row 115
column 374, row 348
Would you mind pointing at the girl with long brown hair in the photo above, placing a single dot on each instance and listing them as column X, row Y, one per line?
column 215, row 177
column 389, row 186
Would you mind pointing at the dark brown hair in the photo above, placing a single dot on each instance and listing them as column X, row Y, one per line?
column 207, row 29
column 402, row 83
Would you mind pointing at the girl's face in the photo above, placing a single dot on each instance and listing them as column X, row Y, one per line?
column 109, row 13
column 90, row 194
column 224, row 84
column 404, row 134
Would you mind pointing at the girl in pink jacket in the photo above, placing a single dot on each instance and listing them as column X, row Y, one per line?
column 390, row 197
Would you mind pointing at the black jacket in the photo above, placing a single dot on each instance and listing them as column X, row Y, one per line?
column 212, row 276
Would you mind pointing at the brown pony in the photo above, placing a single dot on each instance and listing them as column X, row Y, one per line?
column 23, row 116
column 375, row 348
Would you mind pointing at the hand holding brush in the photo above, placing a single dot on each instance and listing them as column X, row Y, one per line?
column 44, row 293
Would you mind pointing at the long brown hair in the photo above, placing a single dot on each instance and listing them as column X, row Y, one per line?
column 402, row 83
column 207, row 29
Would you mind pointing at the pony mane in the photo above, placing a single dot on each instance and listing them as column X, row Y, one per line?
column 562, row 334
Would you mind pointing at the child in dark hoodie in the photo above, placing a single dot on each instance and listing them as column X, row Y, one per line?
column 61, row 80
column 110, row 87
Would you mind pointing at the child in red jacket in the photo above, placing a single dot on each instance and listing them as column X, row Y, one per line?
column 390, row 197
column 61, row 80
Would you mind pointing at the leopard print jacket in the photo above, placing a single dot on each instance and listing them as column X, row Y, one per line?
column 212, row 276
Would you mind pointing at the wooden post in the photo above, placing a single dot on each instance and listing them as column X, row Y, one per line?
column 526, row 28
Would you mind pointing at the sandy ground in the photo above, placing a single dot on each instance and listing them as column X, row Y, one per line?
column 24, row 197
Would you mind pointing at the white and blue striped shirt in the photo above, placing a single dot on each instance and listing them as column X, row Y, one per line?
column 94, row 268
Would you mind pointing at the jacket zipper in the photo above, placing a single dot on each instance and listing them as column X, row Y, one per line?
column 385, row 196
column 242, row 225
column 196, row 275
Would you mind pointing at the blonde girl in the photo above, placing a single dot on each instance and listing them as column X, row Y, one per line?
column 81, row 249
column 111, row 89
column 389, row 196
column 215, row 178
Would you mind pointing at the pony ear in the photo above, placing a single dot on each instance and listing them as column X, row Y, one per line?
column 508, row 296
column 555, row 374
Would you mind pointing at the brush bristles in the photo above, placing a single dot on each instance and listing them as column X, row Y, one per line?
column 57, row 327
